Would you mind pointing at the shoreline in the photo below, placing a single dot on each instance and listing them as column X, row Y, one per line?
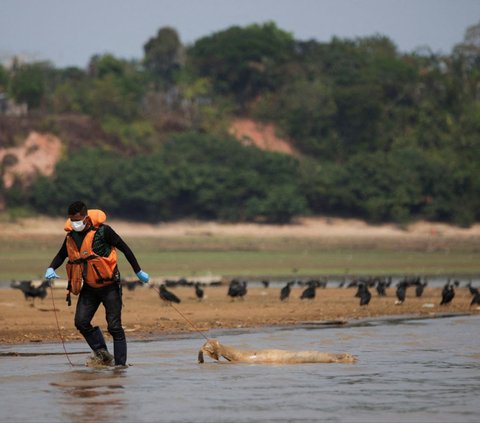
column 360, row 322
column 145, row 316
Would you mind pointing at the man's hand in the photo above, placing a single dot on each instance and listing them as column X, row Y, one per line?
column 143, row 276
column 50, row 274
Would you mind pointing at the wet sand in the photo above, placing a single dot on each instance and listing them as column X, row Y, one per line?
column 145, row 316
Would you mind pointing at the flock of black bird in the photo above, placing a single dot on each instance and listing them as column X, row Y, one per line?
column 238, row 289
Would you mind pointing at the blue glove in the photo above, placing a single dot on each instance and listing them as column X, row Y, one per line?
column 143, row 276
column 50, row 274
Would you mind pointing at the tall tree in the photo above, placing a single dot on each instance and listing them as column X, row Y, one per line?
column 115, row 88
column 29, row 83
column 243, row 62
column 164, row 55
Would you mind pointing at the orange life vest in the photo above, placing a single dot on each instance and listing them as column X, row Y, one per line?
column 83, row 264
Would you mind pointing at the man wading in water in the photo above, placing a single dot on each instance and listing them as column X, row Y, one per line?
column 93, row 273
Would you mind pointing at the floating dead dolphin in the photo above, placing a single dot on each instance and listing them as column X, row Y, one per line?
column 216, row 350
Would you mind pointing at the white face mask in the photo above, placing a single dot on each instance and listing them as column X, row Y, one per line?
column 78, row 225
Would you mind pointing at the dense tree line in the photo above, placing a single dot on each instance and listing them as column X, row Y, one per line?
column 382, row 135
column 191, row 176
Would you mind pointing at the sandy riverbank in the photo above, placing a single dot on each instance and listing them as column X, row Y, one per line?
column 145, row 316
column 302, row 227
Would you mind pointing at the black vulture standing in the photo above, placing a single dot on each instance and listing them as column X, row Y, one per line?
column 31, row 291
column 401, row 292
column 309, row 293
column 448, row 292
column 360, row 285
column 237, row 289
column 475, row 294
column 380, row 287
column 364, row 294
column 167, row 296
column 199, row 291
column 285, row 291
column 419, row 288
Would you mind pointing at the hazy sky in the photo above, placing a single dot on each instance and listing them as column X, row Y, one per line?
column 70, row 32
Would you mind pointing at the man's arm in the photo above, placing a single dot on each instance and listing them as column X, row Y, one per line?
column 112, row 238
column 60, row 257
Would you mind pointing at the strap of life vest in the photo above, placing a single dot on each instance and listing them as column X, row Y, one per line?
column 84, row 261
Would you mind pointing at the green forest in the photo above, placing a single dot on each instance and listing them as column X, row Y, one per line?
column 382, row 135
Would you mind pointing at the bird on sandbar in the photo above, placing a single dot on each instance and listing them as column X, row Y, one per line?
column 199, row 291
column 419, row 288
column 401, row 292
column 380, row 287
column 448, row 293
column 364, row 294
column 31, row 291
column 285, row 291
column 167, row 296
column 475, row 294
column 237, row 289
column 309, row 293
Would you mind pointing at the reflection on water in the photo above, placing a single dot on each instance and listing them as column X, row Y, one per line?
column 92, row 396
column 418, row 370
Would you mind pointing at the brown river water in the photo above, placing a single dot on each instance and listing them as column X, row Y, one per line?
column 409, row 370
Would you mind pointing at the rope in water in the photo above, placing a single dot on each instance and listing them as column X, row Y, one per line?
column 186, row 319
column 58, row 326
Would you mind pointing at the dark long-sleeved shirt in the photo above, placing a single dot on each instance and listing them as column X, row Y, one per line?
column 110, row 238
